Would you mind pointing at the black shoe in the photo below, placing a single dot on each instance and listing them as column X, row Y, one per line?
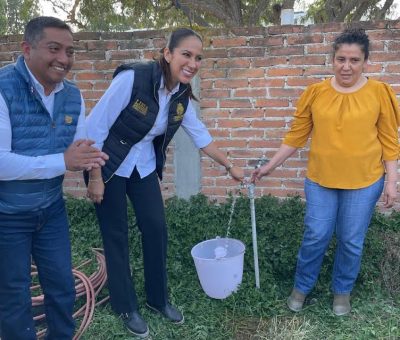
column 169, row 312
column 135, row 324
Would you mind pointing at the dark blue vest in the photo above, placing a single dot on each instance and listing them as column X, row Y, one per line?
column 35, row 133
column 137, row 119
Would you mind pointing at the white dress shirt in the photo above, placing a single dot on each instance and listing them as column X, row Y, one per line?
column 19, row 167
column 142, row 154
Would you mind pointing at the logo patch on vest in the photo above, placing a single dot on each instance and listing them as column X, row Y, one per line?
column 180, row 110
column 140, row 107
column 68, row 120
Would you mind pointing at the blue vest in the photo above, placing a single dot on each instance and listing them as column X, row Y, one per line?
column 35, row 133
column 139, row 116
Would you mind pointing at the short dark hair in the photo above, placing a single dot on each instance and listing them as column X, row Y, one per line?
column 353, row 36
column 174, row 40
column 34, row 28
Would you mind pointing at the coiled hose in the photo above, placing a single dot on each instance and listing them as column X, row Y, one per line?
column 88, row 287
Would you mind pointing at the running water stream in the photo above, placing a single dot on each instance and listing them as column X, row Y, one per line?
column 222, row 250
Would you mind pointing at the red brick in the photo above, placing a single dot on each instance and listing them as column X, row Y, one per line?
column 318, row 70
column 93, row 95
column 247, row 133
column 101, row 85
column 307, row 60
column 102, row 45
column 235, row 103
column 248, row 113
column 206, row 84
column 279, row 92
column 215, row 113
column 305, row 39
column 376, row 46
column 233, row 63
column 281, row 72
column 229, row 42
column 319, row 49
column 232, row 123
column 215, row 93
column 89, row 76
column 85, row 85
column 265, row 124
column 246, row 73
column 150, row 54
column 10, row 47
column 219, row 133
column 124, row 55
column 216, row 53
column 98, row 55
column 110, row 65
column 82, row 65
column 6, row 57
column 266, row 102
column 267, row 82
column 393, row 68
column 207, row 73
column 230, row 83
column 246, row 52
column 230, row 143
column 302, row 81
column 206, row 103
column 253, row 93
column 284, row 50
column 274, row 133
column 282, row 29
column 373, row 68
column 384, row 56
column 270, row 61
column 268, row 41
column 384, row 35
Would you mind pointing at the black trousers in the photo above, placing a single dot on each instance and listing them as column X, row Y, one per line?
column 145, row 195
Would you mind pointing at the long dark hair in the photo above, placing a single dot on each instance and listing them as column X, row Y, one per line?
column 174, row 40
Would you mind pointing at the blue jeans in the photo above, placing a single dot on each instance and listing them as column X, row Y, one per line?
column 43, row 234
column 345, row 212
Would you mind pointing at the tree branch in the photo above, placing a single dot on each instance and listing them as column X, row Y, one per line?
column 381, row 13
column 216, row 8
column 190, row 14
column 258, row 9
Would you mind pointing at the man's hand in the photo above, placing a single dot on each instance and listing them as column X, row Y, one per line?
column 81, row 155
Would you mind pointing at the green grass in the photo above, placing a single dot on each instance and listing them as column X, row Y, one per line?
column 253, row 313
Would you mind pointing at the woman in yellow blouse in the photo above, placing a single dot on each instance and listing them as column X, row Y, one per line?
column 353, row 122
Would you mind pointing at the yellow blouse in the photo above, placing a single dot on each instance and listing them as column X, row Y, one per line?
column 351, row 133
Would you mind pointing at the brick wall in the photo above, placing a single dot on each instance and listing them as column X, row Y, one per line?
column 251, row 79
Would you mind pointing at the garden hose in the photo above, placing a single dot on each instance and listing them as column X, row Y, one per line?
column 89, row 287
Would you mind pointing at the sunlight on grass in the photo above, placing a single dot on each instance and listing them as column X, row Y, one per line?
column 276, row 328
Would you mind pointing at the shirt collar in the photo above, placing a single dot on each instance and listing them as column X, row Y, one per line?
column 39, row 87
column 163, row 87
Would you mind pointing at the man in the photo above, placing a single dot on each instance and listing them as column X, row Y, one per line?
column 42, row 123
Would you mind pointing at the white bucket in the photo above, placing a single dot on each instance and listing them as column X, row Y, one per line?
column 219, row 265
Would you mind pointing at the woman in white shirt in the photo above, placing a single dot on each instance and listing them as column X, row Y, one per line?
column 133, row 123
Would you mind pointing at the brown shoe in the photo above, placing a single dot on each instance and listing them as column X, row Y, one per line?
column 341, row 304
column 296, row 300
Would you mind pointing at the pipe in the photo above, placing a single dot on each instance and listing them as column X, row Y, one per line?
column 254, row 233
